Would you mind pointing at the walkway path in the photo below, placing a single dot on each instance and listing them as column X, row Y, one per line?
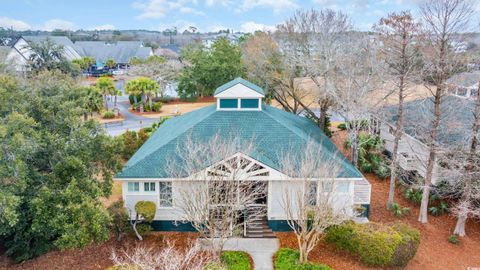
column 261, row 250
column 131, row 121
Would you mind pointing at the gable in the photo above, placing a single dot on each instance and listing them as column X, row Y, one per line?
column 239, row 90
column 241, row 81
column 239, row 167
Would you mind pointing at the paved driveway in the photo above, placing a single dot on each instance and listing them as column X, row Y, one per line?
column 131, row 121
column 261, row 250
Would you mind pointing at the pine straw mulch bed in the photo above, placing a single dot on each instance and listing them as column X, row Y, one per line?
column 97, row 256
column 434, row 252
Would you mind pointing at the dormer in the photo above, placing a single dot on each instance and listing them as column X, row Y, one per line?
column 239, row 95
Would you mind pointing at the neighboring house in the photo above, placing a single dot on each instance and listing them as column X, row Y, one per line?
column 413, row 151
column 239, row 108
column 464, row 84
column 20, row 53
column 120, row 51
column 170, row 51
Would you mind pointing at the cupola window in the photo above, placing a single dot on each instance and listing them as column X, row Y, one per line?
column 249, row 103
column 228, row 103
column 239, row 95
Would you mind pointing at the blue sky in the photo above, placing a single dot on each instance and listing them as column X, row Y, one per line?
column 206, row 15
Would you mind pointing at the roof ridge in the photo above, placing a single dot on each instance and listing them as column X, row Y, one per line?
column 238, row 80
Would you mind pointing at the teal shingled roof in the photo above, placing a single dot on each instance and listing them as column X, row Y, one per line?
column 273, row 132
column 238, row 80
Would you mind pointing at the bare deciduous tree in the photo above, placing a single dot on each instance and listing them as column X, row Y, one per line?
column 311, row 201
column 267, row 66
column 311, row 40
column 221, row 185
column 163, row 73
column 399, row 34
column 463, row 175
column 352, row 83
column 443, row 19
column 167, row 258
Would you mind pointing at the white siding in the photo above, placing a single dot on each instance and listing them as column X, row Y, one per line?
column 276, row 191
column 412, row 153
column 163, row 213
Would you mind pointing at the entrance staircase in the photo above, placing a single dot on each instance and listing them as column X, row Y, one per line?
column 257, row 226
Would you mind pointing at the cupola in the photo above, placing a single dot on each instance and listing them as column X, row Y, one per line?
column 239, row 95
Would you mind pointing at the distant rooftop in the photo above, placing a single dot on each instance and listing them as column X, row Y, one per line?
column 120, row 51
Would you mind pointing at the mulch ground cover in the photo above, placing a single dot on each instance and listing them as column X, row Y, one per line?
column 97, row 256
column 435, row 252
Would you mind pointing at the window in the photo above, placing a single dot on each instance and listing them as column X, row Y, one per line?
column 165, row 194
column 149, row 186
column 312, row 193
column 249, row 103
column 133, row 186
column 228, row 103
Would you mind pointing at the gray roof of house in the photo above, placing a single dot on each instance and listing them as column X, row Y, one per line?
column 455, row 125
column 120, row 51
column 465, row 79
column 61, row 40
column 273, row 132
column 68, row 47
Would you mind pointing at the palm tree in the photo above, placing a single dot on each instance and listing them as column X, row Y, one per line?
column 110, row 63
column 106, row 87
column 142, row 86
column 93, row 101
column 132, row 89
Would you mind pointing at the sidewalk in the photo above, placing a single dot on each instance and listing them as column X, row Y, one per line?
column 260, row 249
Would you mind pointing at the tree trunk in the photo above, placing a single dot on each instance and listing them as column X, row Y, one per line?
column 136, row 231
column 106, row 102
column 354, row 140
column 150, row 103
column 462, row 217
column 398, row 135
column 460, row 226
column 115, row 102
column 85, row 116
column 135, row 101
column 423, row 215
column 322, row 119
column 303, row 253
column 142, row 103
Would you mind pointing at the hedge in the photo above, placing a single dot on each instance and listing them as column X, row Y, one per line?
column 236, row 260
column 287, row 259
column 376, row 244
column 108, row 114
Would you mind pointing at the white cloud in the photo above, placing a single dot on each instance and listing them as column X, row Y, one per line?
column 103, row 27
column 276, row 5
column 189, row 10
column 58, row 24
column 251, row 27
column 155, row 9
column 218, row 2
column 6, row 22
